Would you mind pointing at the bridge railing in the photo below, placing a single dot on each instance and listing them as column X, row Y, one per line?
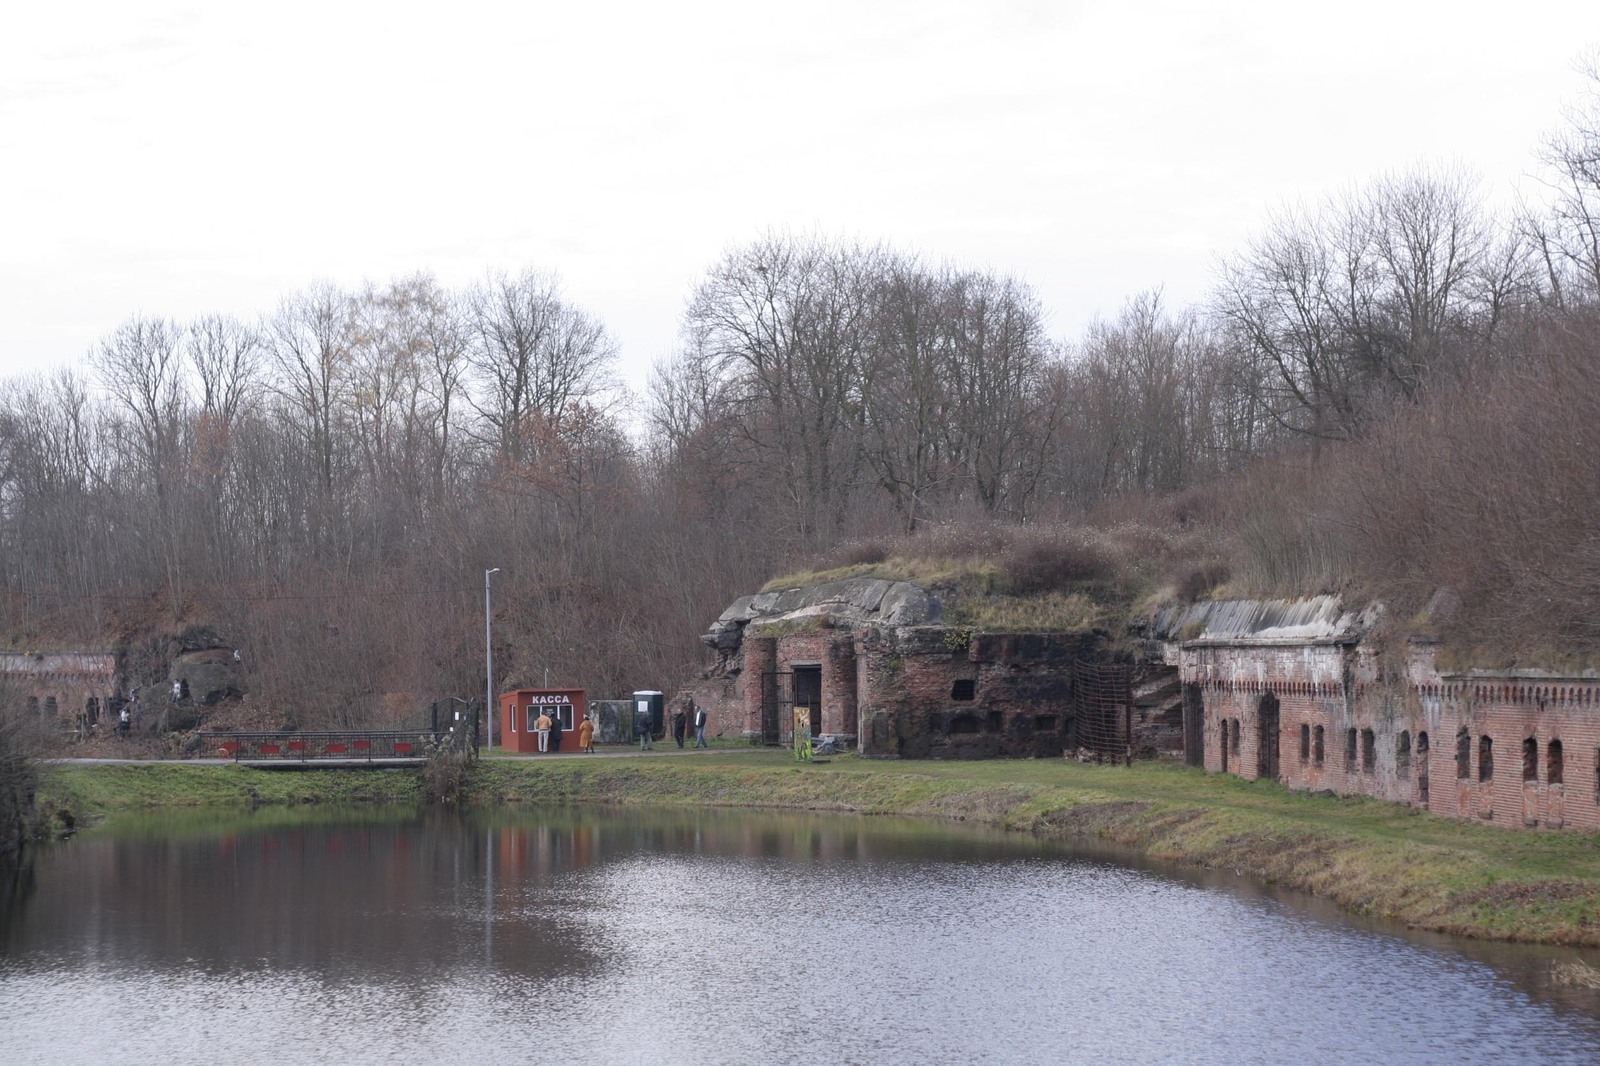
column 340, row 744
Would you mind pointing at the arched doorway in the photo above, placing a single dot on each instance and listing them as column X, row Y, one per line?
column 1267, row 737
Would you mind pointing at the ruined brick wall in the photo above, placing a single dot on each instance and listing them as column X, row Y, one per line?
column 760, row 658
column 68, row 685
column 940, row 692
column 834, row 651
column 1419, row 739
column 721, row 696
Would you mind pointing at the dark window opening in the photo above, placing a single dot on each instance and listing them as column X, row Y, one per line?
column 1044, row 723
column 33, row 705
column 996, row 722
column 1224, row 724
column 1235, row 738
column 1530, row 760
column 1402, row 754
column 1369, row 751
column 1554, row 765
column 1463, row 755
column 963, row 723
column 51, row 708
column 1422, row 768
column 1485, row 759
column 1350, row 749
column 1317, row 745
column 1305, row 743
column 964, row 688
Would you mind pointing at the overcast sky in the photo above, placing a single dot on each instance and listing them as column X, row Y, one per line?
column 184, row 158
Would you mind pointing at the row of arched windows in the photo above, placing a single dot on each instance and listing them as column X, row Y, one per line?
column 1555, row 759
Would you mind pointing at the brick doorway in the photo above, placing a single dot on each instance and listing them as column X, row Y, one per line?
column 808, row 694
column 1267, row 737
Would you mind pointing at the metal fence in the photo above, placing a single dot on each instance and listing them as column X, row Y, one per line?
column 347, row 744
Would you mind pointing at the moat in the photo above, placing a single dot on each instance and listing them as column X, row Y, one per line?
column 710, row 937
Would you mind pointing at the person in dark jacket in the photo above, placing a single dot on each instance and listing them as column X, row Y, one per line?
column 680, row 723
column 555, row 731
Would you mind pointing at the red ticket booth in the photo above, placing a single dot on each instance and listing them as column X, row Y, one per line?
column 521, row 708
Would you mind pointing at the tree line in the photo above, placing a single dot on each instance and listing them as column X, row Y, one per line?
column 329, row 483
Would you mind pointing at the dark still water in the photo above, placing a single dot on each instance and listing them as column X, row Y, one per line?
column 595, row 937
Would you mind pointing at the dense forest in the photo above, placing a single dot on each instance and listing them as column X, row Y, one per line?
column 1391, row 393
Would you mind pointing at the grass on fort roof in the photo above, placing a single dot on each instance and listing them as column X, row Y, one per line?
column 974, row 595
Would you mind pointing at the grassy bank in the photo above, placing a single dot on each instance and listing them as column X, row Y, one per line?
column 1372, row 857
column 72, row 796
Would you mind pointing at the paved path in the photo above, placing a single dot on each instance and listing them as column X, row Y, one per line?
column 611, row 751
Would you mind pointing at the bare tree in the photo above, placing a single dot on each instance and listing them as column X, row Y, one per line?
column 225, row 355
column 1429, row 240
column 141, row 367
column 310, row 339
column 784, row 323
column 1569, row 238
column 999, row 433
column 534, row 356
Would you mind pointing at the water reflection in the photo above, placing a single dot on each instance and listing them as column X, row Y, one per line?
column 716, row 937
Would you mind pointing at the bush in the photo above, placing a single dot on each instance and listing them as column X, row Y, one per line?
column 19, row 782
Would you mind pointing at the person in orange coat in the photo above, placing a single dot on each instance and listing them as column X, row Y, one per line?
column 586, row 735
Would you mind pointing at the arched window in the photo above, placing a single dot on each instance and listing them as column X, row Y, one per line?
column 1485, row 758
column 1316, row 745
column 1530, row 761
column 1402, row 755
column 1236, row 738
column 1554, row 769
column 1350, row 750
column 1305, row 743
column 1463, row 755
column 1369, row 751
column 1224, row 724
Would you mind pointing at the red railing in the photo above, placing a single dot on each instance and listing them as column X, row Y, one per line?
column 356, row 744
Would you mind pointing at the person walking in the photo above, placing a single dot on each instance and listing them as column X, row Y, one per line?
column 700, row 728
column 586, row 736
column 541, row 726
column 679, row 724
column 643, row 723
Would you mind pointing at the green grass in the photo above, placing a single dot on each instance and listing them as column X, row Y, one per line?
column 70, row 795
column 1372, row 857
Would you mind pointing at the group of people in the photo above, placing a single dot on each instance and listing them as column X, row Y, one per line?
column 685, row 713
column 680, row 724
column 549, row 729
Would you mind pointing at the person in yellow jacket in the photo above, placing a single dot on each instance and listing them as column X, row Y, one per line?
column 542, row 727
column 586, row 735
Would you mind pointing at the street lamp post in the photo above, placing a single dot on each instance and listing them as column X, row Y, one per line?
column 488, row 663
